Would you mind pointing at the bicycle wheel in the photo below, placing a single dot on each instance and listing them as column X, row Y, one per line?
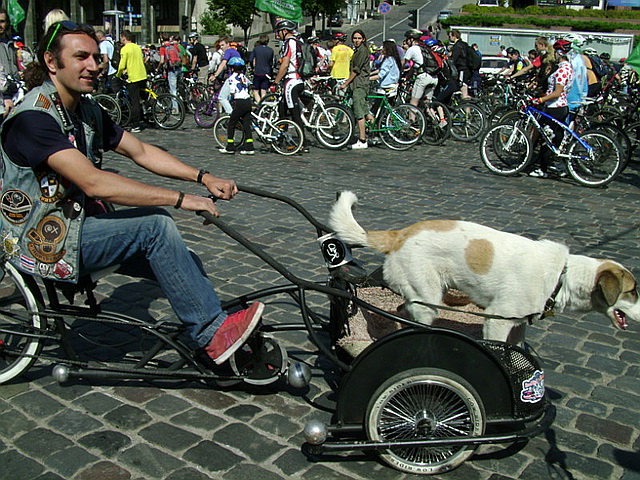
column 334, row 126
column 425, row 403
column 110, row 105
column 197, row 95
column 207, row 113
column 620, row 136
column 467, row 121
column 168, row 111
column 125, row 110
column 595, row 159
column 18, row 313
column 268, row 107
column 402, row 126
column 285, row 136
column 505, row 149
column 436, row 133
column 220, row 132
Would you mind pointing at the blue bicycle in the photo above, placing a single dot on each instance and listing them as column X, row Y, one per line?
column 593, row 158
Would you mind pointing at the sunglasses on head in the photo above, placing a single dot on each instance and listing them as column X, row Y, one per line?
column 69, row 26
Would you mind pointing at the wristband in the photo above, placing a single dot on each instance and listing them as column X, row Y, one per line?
column 201, row 175
column 180, row 199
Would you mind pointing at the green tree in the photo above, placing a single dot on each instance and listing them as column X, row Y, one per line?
column 211, row 24
column 314, row 8
column 237, row 12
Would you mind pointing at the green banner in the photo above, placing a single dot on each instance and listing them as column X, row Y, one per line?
column 634, row 59
column 289, row 9
column 16, row 12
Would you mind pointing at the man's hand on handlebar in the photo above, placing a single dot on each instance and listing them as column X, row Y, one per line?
column 219, row 187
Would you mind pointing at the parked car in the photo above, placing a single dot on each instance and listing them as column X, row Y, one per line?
column 488, row 3
column 493, row 64
column 444, row 14
column 335, row 20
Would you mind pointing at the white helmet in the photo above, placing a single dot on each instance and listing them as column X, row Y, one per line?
column 577, row 40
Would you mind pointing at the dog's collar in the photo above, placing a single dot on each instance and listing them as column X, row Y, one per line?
column 551, row 302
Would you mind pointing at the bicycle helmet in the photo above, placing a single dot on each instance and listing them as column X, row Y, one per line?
column 312, row 40
column 193, row 35
column 235, row 61
column 605, row 56
column 441, row 49
column 590, row 51
column 430, row 42
column 339, row 36
column 413, row 34
column 562, row 46
column 284, row 24
column 577, row 40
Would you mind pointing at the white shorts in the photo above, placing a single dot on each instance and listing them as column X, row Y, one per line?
column 424, row 83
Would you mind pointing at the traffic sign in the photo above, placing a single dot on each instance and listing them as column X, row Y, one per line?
column 384, row 8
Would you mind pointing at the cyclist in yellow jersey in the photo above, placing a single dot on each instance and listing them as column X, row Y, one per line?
column 132, row 63
column 340, row 58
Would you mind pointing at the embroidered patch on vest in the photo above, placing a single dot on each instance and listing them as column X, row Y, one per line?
column 28, row 263
column 15, row 206
column 42, row 102
column 10, row 244
column 47, row 238
column 62, row 270
column 50, row 187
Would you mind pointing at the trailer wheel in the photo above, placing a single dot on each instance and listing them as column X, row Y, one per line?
column 425, row 403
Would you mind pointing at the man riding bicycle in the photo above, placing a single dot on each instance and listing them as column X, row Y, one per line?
column 62, row 229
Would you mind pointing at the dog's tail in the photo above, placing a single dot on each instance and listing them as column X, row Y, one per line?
column 342, row 221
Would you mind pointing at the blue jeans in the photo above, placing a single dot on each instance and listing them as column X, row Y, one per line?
column 146, row 240
column 172, row 79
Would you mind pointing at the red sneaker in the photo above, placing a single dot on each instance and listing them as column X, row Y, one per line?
column 233, row 332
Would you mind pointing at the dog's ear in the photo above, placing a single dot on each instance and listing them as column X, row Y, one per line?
column 613, row 281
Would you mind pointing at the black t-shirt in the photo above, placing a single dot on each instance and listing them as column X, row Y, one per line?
column 200, row 53
column 263, row 55
column 31, row 137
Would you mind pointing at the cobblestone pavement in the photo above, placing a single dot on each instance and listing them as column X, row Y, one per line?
column 115, row 430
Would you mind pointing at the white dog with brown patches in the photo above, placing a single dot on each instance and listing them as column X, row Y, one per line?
column 512, row 277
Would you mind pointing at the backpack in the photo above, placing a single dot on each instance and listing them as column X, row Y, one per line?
column 597, row 66
column 430, row 63
column 115, row 59
column 173, row 60
column 308, row 60
column 474, row 62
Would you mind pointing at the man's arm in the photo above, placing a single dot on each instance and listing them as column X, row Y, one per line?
column 111, row 187
column 221, row 67
column 282, row 71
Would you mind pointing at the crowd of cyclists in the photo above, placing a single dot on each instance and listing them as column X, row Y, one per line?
column 442, row 81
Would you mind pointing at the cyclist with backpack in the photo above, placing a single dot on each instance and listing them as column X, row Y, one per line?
column 425, row 67
column 171, row 62
column 595, row 71
column 291, row 64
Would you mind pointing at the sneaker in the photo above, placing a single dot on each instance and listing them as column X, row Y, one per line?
column 233, row 332
column 538, row 173
column 224, row 150
column 247, row 152
column 136, row 130
column 359, row 145
column 443, row 123
column 558, row 170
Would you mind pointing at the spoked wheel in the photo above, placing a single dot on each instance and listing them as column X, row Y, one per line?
column 598, row 165
column 286, row 137
column 467, row 121
column 436, row 133
column 110, row 105
column 168, row 111
column 220, row 132
column 262, row 360
column 402, row 127
column 505, row 150
column 206, row 114
column 18, row 308
column 425, row 403
column 268, row 107
column 334, row 126
column 126, row 110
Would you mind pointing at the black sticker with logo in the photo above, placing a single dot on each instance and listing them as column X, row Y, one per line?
column 46, row 238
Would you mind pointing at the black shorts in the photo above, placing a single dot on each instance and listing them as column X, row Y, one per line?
column 261, row 82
